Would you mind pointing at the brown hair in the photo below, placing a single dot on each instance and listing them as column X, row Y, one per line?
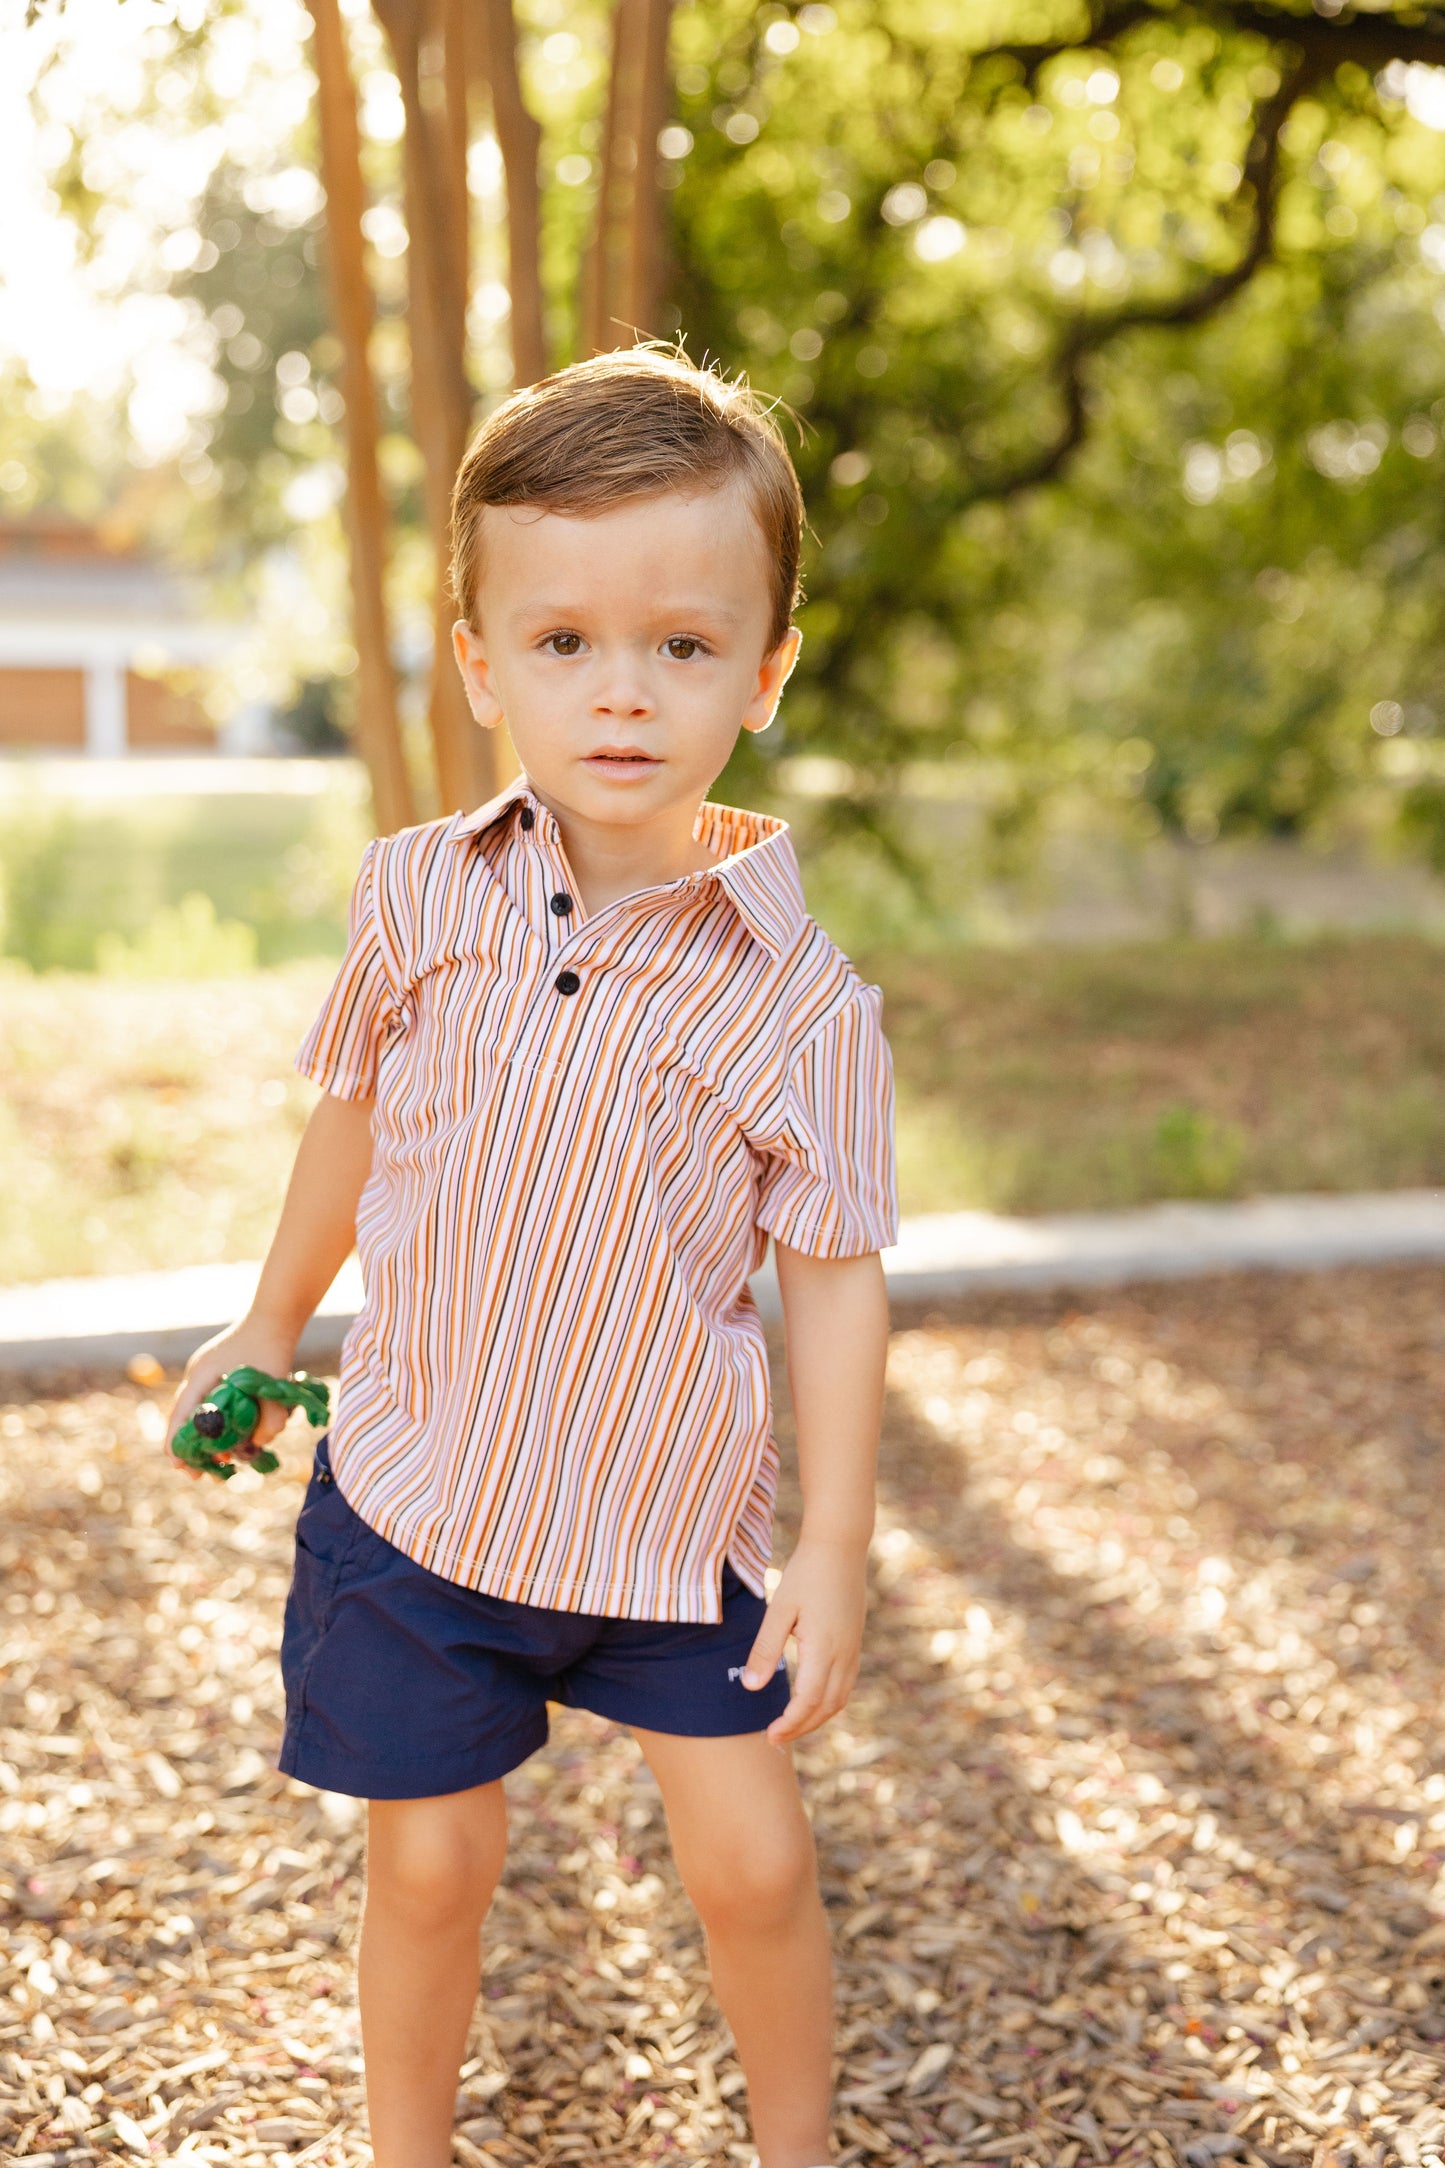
column 626, row 425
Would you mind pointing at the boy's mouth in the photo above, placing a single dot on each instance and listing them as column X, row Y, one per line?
column 621, row 760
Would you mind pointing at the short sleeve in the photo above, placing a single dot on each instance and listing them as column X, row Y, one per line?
column 828, row 1184
column 343, row 1047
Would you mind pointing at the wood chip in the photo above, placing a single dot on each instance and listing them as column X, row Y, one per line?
column 1133, row 1836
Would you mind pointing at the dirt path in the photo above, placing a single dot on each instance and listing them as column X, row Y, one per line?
column 1133, row 1835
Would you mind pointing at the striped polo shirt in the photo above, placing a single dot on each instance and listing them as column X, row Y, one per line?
column 586, row 1126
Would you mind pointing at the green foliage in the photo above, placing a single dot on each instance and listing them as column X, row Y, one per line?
column 1196, row 622
column 73, row 461
column 256, row 278
column 146, row 1124
column 1220, row 614
column 1077, row 1079
column 178, row 886
column 310, row 723
column 1197, row 1155
column 183, row 941
column 37, row 858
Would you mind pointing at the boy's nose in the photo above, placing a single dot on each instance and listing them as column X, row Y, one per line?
column 624, row 694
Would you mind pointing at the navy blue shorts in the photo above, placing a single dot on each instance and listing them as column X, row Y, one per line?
column 403, row 1685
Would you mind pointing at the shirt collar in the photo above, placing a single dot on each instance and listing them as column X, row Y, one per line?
column 757, row 869
column 485, row 816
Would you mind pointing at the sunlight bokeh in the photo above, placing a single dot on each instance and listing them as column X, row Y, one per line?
column 81, row 107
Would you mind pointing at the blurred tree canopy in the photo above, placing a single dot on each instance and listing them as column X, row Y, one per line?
column 1119, row 347
column 255, row 276
column 1116, row 344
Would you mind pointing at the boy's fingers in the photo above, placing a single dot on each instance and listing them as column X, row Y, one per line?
column 187, row 1400
column 803, row 1710
column 273, row 1418
column 796, row 1721
column 767, row 1651
column 801, row 1717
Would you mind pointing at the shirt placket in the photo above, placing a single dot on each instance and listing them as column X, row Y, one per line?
column 551, row 903
column 553, row 906
column 555, row 909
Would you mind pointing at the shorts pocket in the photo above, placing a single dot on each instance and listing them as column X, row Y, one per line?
column 326, row 1527
column 327, row 1534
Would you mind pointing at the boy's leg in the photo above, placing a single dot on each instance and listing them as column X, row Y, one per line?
column 431, row 1868
column 745, row 1853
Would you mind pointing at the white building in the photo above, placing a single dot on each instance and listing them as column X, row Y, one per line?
column 91, row 635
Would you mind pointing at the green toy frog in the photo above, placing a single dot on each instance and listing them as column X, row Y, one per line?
column 224, row 1422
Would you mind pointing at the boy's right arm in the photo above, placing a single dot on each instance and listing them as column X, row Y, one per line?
column 312, row 1242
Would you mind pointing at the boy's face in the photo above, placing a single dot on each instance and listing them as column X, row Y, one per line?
column 626, row 650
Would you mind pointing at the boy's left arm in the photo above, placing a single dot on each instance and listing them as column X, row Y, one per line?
column 835, row 1313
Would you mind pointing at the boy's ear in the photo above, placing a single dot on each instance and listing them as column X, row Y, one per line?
column 476, row 675
column 777, row 668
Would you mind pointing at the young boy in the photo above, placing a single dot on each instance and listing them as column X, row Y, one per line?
column 585, row 1053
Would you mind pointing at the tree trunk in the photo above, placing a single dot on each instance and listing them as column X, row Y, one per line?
column 645, row 222
column 378, row 725
column 453, row 135
column 623, row 273
column 441, row 398
column 519, row 138
column 602, row 291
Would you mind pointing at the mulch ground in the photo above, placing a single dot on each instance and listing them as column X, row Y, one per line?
column 1133, row 1835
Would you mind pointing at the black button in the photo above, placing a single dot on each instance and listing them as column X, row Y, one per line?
column 526, row 817
column 561, row 903
column 567, row 982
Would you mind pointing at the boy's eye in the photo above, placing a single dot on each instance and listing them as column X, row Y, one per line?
column 564, row 643
column 686, row 642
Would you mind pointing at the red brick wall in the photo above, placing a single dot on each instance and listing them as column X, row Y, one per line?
column 161, row 716
column 42, row 707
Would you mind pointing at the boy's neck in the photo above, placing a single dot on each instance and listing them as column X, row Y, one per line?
column 609, row 861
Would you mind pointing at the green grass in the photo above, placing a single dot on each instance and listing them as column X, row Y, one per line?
column 81, row 880
column 1039, row 1080
column 146, row 1123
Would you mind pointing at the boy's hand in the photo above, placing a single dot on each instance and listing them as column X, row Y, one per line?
column 250, row 1341
column 820, row 1602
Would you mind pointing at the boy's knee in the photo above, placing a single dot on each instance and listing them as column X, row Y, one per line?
column 758, row 1889
column 440, row 1868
